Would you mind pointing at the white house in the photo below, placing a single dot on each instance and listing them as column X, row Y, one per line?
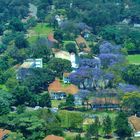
column 72, row 57
column 24, row 69
column 38, row 63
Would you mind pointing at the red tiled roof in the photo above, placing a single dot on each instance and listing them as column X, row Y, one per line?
column 53, row 137
column 56, row 86
column 51, row 38
column 3, row 133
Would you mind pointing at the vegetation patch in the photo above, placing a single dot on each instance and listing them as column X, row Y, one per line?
column 134, row 59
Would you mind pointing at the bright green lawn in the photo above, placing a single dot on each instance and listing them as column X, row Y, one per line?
column 56, row 103
column 134, row 59
column 40, row 30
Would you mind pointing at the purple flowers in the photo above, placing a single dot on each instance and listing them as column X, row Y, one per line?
column 110, row 55
column 107, row 48
column 92, row 63
column 128, row 88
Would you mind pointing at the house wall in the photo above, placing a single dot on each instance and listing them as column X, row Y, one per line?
column 137, row 134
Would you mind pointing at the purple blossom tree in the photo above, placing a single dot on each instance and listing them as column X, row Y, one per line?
column 107, row 47
column 110, row 55
column 128, row 88
column 91, row 63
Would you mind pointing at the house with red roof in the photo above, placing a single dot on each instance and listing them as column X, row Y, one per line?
column 59, row 90
column 51, row 41
column 53, row 137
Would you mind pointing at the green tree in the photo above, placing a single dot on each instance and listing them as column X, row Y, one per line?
column 41, row 50
column 130, row 46
column 4, row 106
column 16, row 25
column 131, row 101
column 45, row 100
column 131, row 74
column 122, row 126
column 70, row 101
column 107, row 125
column 58, row 35
column 59, row 66
column 71, row 48
column 15, row 136
column 71, row 120
column 78, row 137
column 93, row 129
column 21, row 95
column 39, row 79
column 20, row 41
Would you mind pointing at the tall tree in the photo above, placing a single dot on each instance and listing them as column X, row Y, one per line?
column 107, row 125
column 122, row 126
column 93, row 129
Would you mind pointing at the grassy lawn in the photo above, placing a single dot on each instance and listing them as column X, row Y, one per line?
column 70, row 135
column 55, row 103
column 134, row 59
column 40, row 30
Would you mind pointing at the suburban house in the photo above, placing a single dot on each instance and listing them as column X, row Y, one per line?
column 82, row 44
column 24, row 69
column 104, row 103
column 3, row 134
column 59, row 91
column 72, row 57
column 51, row 41
column 53, row 137
column 135, row 123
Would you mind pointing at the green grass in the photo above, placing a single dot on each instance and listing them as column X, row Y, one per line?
column 40, row 30
column 43, row 28
column 55, row 103
column 134, row 59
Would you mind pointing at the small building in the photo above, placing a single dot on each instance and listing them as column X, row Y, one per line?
column 82, row 44
column 135, row 123
column 59, row 91
column 53, row 137
column 72, row 57
column 24, row 69
column 104, row 103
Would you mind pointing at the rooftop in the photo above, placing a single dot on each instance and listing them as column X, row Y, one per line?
column 135, row 121
column 3, row 132
column 63, row 55
column 81, row 40
column 57, row 87
column 104, row 101
column 27, row 64
column 51, row 38
column 53, row 137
